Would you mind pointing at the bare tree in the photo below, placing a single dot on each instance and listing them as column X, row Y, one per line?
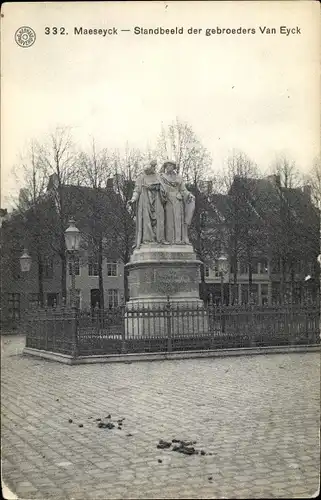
column 285, row 237
column 288, row 174
column 238, row 164
column 92, row 173
column 236, row 180
column 313, row 179
column 57, row 156
column 125, row 169
column 30, row 206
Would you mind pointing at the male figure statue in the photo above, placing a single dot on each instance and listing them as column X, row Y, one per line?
column 179, row 204
column 149, row 207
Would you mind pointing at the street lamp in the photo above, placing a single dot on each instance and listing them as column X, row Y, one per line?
column 72, row 239
column 25, row 266
column 25, row 261
column 222, row 268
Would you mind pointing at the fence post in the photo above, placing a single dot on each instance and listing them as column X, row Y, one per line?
column 222, row 319
column 292, row 335
column 169, row 325
column 252, row 324
column 74, row 332
column 211, row 323
column 46, row 328
column 123, row 335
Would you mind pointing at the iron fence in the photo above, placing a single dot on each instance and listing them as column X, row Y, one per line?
column 169, row 328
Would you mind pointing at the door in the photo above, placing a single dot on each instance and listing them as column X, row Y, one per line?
column 94, row 298
column 52, row 299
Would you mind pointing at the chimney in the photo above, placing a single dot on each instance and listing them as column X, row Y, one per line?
column 53, row 182
column 307, row 190
column 110, row 183
column 274, row 179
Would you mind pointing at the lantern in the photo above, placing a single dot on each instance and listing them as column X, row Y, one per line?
column 25, row 261
column 72, row 237
column 222, row 264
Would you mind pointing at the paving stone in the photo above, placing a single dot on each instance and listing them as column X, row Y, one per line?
column 261, row 424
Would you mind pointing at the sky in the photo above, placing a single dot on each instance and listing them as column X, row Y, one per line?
column 258, row 93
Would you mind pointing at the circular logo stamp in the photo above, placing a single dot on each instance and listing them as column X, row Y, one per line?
column 25, row 36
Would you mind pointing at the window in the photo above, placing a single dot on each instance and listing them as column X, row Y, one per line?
column 255, row 294
column 244, row 268
column 77, row 267
column 276, row 293
column 48, row 268
column 264, row 267
column 255, row 266
column 112, row 269
column 216, row 271
column 33, row 300
column 92, row 266
column 14, row 306
column 52, row 299
column 275, row 266
column 264, row 294
column 113, row 300
column 244, row 294
column 207, row 271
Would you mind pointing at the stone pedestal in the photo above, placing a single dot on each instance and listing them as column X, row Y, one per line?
column 164, row 279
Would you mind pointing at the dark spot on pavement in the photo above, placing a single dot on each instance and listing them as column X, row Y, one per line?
column 164, row 444
column 70, row 421
column 103, row 425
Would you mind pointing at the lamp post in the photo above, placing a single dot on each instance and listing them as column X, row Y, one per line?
column 222, row 267
column 25, row 266
column 72, row 240
column 25, row 261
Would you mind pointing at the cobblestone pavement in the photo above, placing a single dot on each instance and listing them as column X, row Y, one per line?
column 258, row 416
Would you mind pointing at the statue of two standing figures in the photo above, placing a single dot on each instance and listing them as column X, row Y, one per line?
column 164, row 206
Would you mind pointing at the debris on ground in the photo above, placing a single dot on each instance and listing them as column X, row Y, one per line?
column 186, row 450
column 160, row 461
column 181, row 446
column 106, row 425
column 164, row 444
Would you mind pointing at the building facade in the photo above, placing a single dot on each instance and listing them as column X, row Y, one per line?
column 20, row 290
